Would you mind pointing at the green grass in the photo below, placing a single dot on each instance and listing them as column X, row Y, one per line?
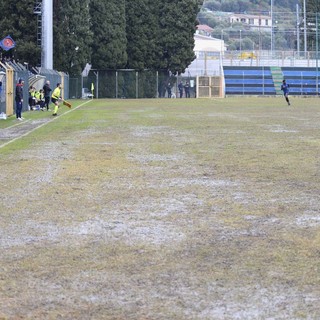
column 162, row 209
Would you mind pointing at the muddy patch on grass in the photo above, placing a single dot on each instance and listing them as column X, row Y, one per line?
column 308, row 221
column 171, row 221
column 21, row 128
column 149, row 131
column 280, row 129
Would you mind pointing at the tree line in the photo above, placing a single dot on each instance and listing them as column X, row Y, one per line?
column 108, row 34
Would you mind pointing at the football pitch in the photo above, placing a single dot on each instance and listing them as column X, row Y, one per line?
column 162, row 209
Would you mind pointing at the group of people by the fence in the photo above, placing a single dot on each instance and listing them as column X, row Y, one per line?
column 182, row 88
column 38, row 99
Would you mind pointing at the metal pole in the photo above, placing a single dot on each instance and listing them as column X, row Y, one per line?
column 263, row 80
column 305, row 27
column 242, row 83
column 205, row 63
column 222, row 41
column 240, row 43
column 272, row 46
column 47, row 35
column 116, row 84
column 317, row 48
column 137, row 85
column 97, row 90
column 298, row 31
column 157, row 89
column 97, row 83
column 81, row 86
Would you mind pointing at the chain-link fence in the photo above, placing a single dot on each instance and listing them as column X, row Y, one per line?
column 129, row 84
column 54, row 77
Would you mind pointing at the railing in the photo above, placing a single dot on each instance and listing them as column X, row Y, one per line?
column 210, row 63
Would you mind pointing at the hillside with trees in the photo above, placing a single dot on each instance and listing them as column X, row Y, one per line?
column 284, row 21
column 248, row 6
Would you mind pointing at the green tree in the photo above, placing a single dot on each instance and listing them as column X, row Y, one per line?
column 212, row 5
column 19, row 21
column 176, row 28
column 72, row 35
column 108, row 26
column 142, row 30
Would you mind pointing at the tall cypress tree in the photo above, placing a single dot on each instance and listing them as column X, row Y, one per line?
column 19, row 21
column 142, row 29
column 177, row 25
column 109, row 34
column 161, row 34
column 72, row 35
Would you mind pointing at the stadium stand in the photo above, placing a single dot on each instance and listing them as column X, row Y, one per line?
column 248, row 80
column 267, row 80
column 302, row 81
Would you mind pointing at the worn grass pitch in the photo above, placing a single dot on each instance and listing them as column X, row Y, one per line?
column 162, row 209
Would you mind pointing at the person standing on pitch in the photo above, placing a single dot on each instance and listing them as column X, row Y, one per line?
column 46, row 90
column 56, row 96
column 19, row 99
column 169, row 90
column 187, row 89
column 285, row 88
column 180, row 87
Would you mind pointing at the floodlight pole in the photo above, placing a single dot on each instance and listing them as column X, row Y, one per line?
column 272, row 45
column 305, row 27
column 317, row 49
column 240, row 42
column 298, row 30
column 47, row 35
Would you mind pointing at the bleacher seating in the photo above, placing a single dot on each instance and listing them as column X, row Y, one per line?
column 248, row 81
column 302, row 81
column 264, row 81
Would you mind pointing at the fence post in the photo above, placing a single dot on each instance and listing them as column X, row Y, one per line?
column 137, row 85
column 157, row 84
column 116, row 84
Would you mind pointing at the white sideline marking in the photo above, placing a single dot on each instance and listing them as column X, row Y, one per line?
column 34, row 129
column 17, row 124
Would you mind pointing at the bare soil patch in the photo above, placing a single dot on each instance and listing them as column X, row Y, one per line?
column 147, row 211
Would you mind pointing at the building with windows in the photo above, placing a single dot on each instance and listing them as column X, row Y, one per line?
column 206, row 45
column 252, row 21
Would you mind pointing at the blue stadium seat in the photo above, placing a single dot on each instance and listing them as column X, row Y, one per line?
column 259, row 80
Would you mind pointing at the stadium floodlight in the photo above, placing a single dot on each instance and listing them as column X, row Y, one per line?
column 47, row 34
column 272, row 36
column 305, row 27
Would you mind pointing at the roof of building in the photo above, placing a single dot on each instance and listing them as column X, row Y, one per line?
column 248, row 16
column 204, row 27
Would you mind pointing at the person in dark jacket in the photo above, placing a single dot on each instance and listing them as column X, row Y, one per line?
column 180, row 87
column 187, row 89
column 285, row 88
column 19, row 99
column 32, row 98
column 46, row 90
column 169, row 90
